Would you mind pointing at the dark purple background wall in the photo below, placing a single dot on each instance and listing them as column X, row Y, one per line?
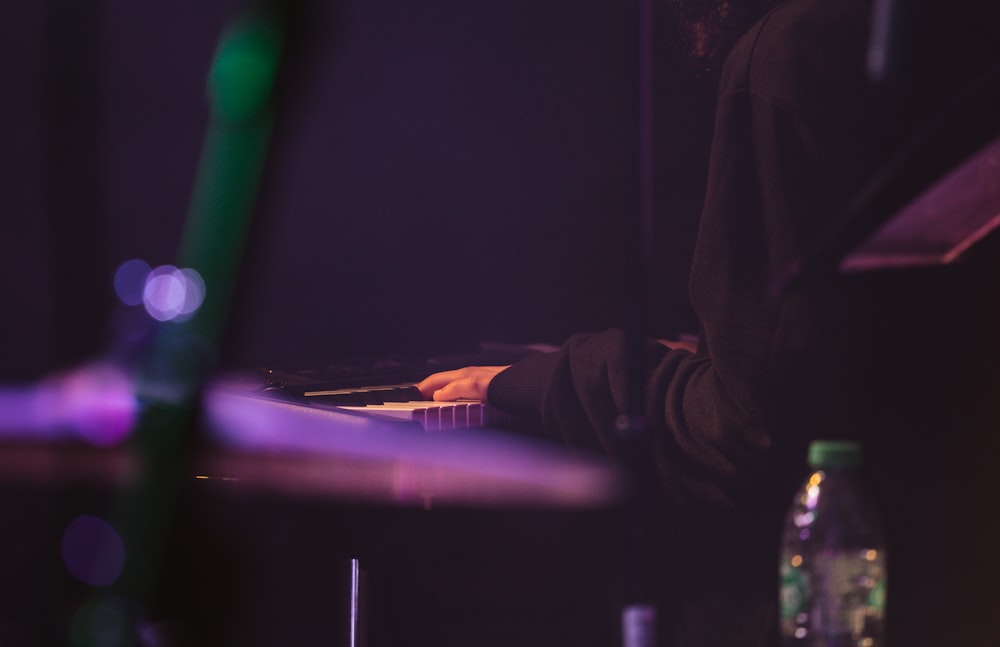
column 442, row 173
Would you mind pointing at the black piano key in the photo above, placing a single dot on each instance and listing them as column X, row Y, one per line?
column 363, row 397
column 400, row 394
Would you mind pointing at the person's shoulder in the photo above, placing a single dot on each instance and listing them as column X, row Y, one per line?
column 800, row 44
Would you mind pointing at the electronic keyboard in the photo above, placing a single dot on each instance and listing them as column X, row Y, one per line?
column 385, row 388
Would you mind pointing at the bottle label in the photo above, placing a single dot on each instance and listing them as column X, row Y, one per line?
column 833, row 593
column 794, row 589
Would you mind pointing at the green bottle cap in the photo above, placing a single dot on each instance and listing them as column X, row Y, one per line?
column 835, row 454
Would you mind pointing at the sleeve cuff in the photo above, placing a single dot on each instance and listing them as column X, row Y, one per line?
column 519, row 389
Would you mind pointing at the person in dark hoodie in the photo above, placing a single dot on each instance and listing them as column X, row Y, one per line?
column 800, row 130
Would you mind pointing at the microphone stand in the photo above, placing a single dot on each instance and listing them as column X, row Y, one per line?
column 639, row 616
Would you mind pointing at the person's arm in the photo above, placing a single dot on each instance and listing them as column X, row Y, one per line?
column 704, row 442
column 473, row 382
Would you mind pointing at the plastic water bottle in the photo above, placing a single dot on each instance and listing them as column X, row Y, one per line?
column 833, row 559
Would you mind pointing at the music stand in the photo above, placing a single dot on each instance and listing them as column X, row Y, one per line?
column 937, row 200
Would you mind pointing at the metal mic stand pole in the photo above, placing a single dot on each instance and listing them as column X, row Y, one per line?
column 638, row 619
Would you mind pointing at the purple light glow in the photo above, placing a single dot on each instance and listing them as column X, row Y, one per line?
column 92, row 551
column 95, row 403
column 173, row 294
column 302, row 449
column 167, row 293
column 812, row 497
column 804, row 519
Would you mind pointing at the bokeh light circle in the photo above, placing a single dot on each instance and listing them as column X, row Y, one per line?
column 130, row 281
column 173, row 294
column 194, row 291
column 93, row 551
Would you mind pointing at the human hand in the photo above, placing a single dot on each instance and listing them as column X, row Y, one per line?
column 469, row 383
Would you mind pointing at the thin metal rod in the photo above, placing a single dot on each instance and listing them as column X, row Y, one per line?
column 356, row 619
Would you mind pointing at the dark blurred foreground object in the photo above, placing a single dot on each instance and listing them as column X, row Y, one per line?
column 263, row 558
